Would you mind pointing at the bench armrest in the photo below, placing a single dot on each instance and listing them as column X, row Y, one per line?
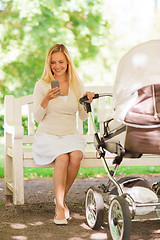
column 17, row 131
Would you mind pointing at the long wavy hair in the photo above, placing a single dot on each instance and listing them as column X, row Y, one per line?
column 74, row 81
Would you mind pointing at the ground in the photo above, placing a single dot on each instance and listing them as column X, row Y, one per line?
column 34, row 220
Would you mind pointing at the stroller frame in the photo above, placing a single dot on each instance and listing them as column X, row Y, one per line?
column 124, row 204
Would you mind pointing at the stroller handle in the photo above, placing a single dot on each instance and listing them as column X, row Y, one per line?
column 97, row 95
column 87, row 105
column 85, row 99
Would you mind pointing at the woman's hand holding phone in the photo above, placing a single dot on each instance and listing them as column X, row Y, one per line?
column 54, row 92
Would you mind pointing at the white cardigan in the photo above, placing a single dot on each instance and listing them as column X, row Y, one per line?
column 59, row 118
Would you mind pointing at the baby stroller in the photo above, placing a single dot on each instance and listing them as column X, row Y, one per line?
column 135, row 120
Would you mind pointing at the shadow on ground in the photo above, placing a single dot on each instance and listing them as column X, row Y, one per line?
column 34, row 220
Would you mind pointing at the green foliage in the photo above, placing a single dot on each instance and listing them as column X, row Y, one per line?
column 85, row 125
column 29, row 28
column 1, row 125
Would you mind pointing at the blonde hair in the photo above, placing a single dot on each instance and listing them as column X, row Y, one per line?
column 74, row 81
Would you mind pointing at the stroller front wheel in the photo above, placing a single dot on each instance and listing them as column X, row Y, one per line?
column 158, row 195
column 119, row 219
column 94, row 206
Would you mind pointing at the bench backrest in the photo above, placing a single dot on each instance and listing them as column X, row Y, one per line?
column 16, row 108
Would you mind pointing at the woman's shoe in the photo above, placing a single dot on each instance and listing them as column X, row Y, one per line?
column 60, row 222
column 67, row 214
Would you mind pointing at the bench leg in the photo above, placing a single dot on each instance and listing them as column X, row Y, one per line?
column 18, row 180
column 8, row 173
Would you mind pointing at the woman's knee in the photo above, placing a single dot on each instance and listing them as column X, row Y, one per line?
column 75, row 157
column 62, row 159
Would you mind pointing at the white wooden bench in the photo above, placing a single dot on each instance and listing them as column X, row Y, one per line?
column 18, row 147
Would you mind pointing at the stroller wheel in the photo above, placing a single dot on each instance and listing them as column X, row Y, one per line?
column 158, row 191
column 119, row 219
column 158, row 195
column 94, row 206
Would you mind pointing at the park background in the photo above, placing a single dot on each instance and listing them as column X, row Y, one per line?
column 96, row 32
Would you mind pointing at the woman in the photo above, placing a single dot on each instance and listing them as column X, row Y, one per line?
column 57, row 138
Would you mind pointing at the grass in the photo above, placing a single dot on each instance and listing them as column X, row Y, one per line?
column 100, row 171
column 84, row 172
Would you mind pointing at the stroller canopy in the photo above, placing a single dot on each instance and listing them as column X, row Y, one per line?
column 138, row 68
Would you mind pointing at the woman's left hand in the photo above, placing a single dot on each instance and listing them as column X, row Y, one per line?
column 89, row 95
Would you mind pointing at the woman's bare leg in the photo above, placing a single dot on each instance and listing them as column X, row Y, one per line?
column 73, row 168
column 59, row 182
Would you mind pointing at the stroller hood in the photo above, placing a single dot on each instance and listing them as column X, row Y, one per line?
column 138, row 68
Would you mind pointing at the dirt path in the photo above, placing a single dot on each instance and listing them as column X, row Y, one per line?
column 35, row 222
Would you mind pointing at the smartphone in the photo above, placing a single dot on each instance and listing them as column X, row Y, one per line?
column 54, row 84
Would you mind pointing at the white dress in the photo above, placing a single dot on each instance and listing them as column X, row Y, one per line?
column 47, row 147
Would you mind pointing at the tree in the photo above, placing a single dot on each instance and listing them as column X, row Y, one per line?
column 28, row 29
